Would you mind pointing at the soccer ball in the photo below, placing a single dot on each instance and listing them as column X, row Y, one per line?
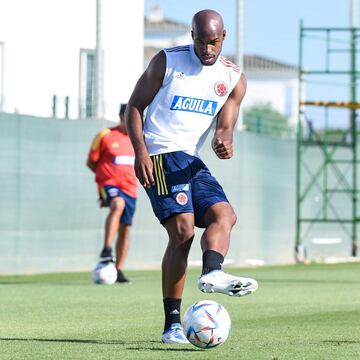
column 105, row 273
column 206, row 324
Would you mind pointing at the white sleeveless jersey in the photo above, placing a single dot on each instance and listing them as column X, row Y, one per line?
column 180, row 116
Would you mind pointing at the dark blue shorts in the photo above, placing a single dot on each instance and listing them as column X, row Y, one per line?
column 183, row 185
column 108, row 192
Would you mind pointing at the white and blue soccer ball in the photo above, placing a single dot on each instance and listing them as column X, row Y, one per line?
column 206, row 324
column 105, row 273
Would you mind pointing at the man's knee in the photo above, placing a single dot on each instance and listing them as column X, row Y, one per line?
column 227, row 217
column 232, row 218
column 185, row 233
column 221, row 213
column 181, row 228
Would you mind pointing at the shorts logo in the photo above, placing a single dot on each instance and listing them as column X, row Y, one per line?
column 113, row 192
column 180, row 187
column 181, row 198
column 201, row 106
column 220, row 88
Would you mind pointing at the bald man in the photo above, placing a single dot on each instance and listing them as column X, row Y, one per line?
column 186, row 89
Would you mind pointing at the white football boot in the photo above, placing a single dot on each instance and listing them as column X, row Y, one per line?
column 218, row 281
column 174, row 335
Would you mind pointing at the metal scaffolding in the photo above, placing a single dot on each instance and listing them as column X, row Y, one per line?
column 327, row 162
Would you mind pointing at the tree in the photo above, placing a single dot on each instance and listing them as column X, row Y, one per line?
column 265, row 119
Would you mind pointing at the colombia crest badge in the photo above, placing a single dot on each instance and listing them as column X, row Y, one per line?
column 220, row 88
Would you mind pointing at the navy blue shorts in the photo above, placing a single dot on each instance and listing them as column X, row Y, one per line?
column 183, row 185
column 109, row 192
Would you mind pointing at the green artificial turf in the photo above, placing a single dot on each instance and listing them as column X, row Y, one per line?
column 299, row 312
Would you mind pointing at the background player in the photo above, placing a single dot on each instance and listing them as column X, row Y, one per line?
column 111, row 158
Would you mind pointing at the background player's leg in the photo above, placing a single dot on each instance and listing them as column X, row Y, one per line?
column 112, row 224
column 122, row 245
column 122, row 249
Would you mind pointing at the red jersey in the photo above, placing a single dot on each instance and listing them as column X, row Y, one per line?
column 114, row 156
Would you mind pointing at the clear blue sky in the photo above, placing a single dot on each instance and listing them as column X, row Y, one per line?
column 271, row 27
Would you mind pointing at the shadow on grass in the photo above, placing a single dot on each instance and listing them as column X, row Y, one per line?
column 140, row 345
column 308, row 281
column 45, row 282
column 341, row 342
column 179, row 349
column 82, row 341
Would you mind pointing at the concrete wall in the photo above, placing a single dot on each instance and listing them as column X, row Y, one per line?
column 50, row 219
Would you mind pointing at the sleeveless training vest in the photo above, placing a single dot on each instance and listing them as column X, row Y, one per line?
column 181, row 114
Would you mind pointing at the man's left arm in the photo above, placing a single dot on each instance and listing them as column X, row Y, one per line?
column 222, row 143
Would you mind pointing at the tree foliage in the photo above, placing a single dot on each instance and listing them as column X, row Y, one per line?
column 265, row 119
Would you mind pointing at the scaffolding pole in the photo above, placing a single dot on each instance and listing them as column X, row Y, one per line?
column 334, row 175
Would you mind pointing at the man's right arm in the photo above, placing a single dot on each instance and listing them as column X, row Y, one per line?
column 145, row 90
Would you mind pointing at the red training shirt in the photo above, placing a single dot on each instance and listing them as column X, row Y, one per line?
column 114, row 156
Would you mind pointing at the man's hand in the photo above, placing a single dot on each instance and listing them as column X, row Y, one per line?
column 144, row 169
column 223, row 148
